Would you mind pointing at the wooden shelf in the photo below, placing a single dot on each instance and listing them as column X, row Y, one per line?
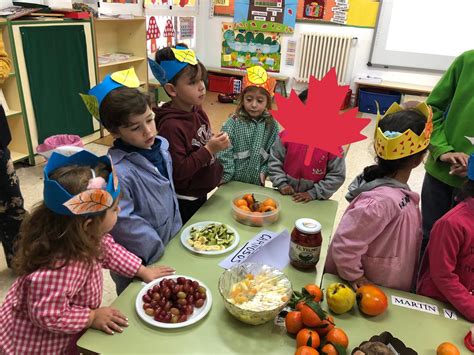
column 12, row 113
column 129, row 60
column 16, row 156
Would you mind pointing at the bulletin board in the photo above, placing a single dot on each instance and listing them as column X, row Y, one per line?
column 359, row 13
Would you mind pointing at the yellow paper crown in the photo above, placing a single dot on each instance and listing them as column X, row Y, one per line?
column 408, row 142
column 257, row 76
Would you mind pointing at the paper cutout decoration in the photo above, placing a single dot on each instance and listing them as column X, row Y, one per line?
column 92, row 104
column 313, row 9
column 169, row 33
column 126, row 77
column 153, row 33
column 265, row 15
column 319, row 123
column 185, row 55
column 408, row 142
column 242, row 49
column 257, row 76
column 89, row 201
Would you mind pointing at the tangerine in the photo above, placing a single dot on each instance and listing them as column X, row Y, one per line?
column 372, row 300
column 240, row 202
column 306, row 350
column 314, row 291
column 447, row 348
column 307, row 337
column 293, row 322
column 270, row 202
column 338, row 336
column 329, row 349
column 310, row 317
column 325, row 326
column 266, row 208
column 249, row 198
column 245, row 208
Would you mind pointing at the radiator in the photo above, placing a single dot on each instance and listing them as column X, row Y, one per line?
column 320, row 52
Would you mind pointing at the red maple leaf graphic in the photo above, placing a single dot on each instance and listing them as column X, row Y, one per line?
column 319, row 123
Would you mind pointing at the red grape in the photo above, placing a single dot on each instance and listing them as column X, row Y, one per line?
column 162, row 301
column 197, row 296
column 146, row 298
column 181, row 280
column 167, row 306
column 150, row 292
column 190, row 299
column 146, row 305
column 182, row 301
column 195, row 284
column 183, row 318
column 156, row 288
column 153, row 303
column 199, row 303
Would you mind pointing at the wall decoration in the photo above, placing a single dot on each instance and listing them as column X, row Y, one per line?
column 169, row 4
column 152, row 33
column 186, row 27
column 313, row 9
column 242, row 49
column 290, row 52
column 169, row 32
column 266, row 15
column 121, row 1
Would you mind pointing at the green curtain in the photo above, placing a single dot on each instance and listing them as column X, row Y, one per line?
column 56, row 61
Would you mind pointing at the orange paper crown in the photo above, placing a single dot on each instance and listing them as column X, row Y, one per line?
column 257, row 76
column 408, row 142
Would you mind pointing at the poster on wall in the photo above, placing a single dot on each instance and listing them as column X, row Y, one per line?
column 186, row 28
column 242, row 48
column 265, row 15
column 121, row 1
column 169, row 4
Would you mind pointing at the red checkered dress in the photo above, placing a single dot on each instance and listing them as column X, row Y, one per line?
column 43, row 311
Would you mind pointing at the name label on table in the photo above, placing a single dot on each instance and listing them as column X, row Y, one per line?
column 416, row 305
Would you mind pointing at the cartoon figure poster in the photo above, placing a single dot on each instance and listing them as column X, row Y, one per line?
column 266, row 15
column 242, row 49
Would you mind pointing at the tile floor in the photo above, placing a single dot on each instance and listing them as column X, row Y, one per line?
column 359, row 155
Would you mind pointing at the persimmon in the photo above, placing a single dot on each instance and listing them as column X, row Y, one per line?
column 329, row 349
column 371, row 300
column 306, row 350
column 244, row 208
column 309, row 316
column 307, row 337
column 269, row 202
column 240, row 202
column 447, row 348
column 299, row 305
column 314, row 291
column 256, row 219
column 293, row 322
column 338, row 336
column 325, row 326
column 266, row 208
column 249, row 198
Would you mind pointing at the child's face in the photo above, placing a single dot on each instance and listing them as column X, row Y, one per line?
column 188, row 91
column 110, row 219
column 255, row 102
column 140, row 131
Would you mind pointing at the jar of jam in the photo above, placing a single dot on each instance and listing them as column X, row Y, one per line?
column 305, row 244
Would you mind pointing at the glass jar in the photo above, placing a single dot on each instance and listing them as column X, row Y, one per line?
column 305, row 244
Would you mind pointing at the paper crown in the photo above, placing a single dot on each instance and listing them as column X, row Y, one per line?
column 91, row 201
column 167, row 69
column 470, row 168
column 403, row 144
column 257, row 76
column 112, row 81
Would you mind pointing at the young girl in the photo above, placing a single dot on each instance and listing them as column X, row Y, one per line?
column 448, row 264
column 318, row 181
column 378, row 238
column 252, row 131
column 62, row 248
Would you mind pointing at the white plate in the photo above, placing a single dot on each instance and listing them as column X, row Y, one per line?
column 198, row 313
column 185, row 235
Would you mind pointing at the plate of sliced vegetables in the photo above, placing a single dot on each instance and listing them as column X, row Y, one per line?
column 210, row 238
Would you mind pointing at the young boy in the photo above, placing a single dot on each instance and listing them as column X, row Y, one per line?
column 149, row 215
column 186, row 126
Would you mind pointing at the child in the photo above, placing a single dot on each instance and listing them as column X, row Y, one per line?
column 252, row 131
column 186, row 126
column 447, row 268
column 149, row 215
column 379, row 236
column 318, row 181
column 63, row 246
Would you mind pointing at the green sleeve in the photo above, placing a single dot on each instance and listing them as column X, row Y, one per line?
column 439, row 100
column 226, row 157
column 271, row 140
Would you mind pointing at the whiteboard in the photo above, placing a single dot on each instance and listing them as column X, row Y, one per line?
column 422, row 34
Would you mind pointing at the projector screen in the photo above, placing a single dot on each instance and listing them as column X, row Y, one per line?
column 422, row 34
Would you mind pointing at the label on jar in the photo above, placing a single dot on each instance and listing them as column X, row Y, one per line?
column 305, row 256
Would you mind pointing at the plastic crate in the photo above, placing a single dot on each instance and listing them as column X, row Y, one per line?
column 385, row 99
column 221, row 84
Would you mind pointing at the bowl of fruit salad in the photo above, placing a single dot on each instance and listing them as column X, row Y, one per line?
column 254, row 293
column 255, row 208
column 173, row 301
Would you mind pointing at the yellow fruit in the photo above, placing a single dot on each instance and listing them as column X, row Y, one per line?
column 340, row 298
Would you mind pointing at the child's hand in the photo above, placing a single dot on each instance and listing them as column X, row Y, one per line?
column 286, row 190
column 361, row 281
column 150, row 273
column 302, row 197
column 454, row 158
column 262, row 179
column 108, row 319
column 458, row 169
column 218, row 143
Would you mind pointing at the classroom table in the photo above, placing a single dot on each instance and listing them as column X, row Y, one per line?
column 219, row 332
column 421, row 331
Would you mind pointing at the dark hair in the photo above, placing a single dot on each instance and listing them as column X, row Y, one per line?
column 303, row 95
column 467, row 190
column 121, row 103
column 50, row 240
column 396, row 122
column 193, row 70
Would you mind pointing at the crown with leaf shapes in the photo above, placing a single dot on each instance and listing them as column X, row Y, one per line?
column 257, row 76
column 126, row 77
column 99, row 195
column 397, row 145
column 167, row 69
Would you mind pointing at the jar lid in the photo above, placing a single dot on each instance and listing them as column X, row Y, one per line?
column 308, row 225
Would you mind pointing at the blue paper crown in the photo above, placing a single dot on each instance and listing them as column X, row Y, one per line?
column 470, row 168
column 55, row 196
column 101, row 90
column 167, row 69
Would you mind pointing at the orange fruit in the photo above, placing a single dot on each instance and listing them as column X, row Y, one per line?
column 329, row 349
column 325, row 326
column 293, row 322
column 447, row 348
column 245, row 208
column 299, row 305
column 338, row 336
column 240, row 202
column 310, row 318
column 307, row 337
column 270, row 202
column 314, row 291
column 256, row 219
column 372, row 300
column 306, row 350
column 266, row 208
column 249, row 198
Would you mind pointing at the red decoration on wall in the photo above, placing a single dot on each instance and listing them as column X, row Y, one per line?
column 169, row 33
column 153, row 33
